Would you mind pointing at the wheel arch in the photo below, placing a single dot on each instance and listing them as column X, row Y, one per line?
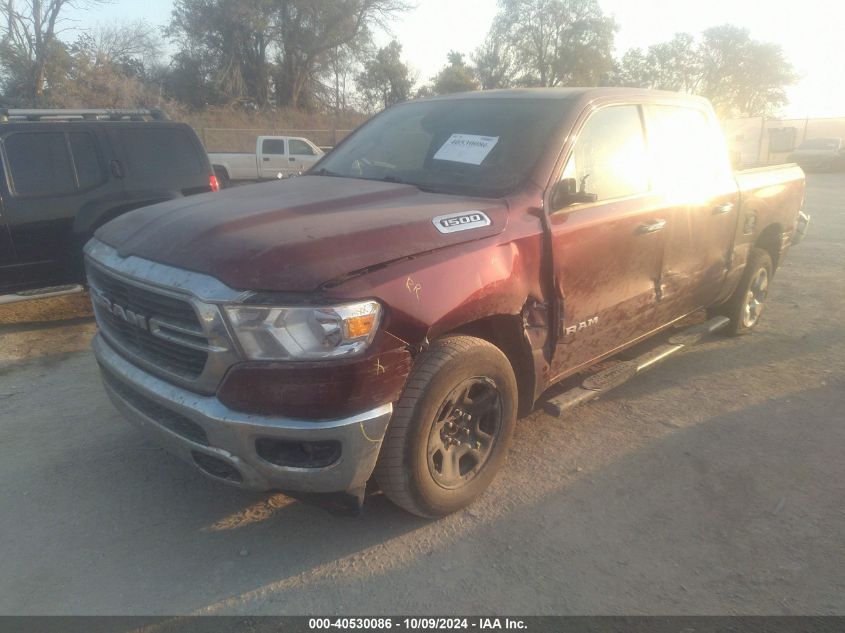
column 771, row 241
column 507, row 333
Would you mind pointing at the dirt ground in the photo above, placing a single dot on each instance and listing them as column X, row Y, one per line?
column 714, row 484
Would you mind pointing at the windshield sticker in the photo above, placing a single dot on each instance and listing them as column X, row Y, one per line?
column 453, row 222
column 466, row 148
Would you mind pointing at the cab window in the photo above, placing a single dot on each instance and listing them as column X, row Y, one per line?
column 300, row 148
column 274, row 146
column 687, row 154
column 609, row 159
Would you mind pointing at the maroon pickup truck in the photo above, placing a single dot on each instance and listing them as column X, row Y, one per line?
column 390, row 314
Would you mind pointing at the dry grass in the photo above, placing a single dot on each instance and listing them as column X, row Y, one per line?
column 235, row 129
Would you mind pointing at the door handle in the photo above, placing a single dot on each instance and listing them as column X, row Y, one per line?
column 291, row 159
column 266, row 159
column 722, row 209
column 651, row 227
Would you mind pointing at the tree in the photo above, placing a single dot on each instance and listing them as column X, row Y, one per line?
column 555, row 42
column 309, row 29
column 386, row 79
column 227, row 43
column 28, row 43
column 493, row 61
column 740, row 76
column 673, row 65
column 456, row 76
column 109, row 68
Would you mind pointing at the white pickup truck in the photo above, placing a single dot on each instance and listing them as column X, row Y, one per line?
column 274, row 157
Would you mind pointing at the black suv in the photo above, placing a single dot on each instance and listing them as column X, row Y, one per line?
column 64, row 173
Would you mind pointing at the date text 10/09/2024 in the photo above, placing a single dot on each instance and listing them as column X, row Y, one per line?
column 416, row 624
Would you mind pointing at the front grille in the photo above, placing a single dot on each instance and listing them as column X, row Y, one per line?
column 170, row 420
column 169, row 355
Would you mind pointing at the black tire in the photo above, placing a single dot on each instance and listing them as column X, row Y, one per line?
column 222, row 177
column 426, row 425
column 738, row 308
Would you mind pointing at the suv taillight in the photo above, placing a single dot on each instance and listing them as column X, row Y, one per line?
column 212, row 181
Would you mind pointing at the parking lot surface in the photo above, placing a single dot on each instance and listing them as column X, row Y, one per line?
column 714, row 484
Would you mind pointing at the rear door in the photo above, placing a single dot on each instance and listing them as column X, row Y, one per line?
column 273, row 160
column 608, row 253
column 692, row 173
column 53, row 173
column 158, row 161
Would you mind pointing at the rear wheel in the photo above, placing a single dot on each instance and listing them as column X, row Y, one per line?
column 451, row 428
column 746, row 304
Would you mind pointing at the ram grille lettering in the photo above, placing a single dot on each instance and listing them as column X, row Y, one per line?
column 462, row 221
column 124, row 314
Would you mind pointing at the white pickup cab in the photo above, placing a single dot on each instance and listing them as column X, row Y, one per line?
column 274, row 157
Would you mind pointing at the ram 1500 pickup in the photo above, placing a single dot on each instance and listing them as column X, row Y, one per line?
column 391, row 314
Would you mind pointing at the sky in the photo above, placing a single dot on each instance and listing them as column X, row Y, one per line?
column 810, row 32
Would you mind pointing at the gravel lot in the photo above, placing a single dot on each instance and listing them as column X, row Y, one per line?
column 713, row 485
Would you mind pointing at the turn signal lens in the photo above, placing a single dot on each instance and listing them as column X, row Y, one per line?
column 358, row 326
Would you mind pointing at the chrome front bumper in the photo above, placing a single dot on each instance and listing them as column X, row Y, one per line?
column 222, row 443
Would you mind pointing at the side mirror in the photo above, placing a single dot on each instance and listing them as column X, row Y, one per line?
column 566, row 193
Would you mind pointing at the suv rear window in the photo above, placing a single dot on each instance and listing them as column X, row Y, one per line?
column 159, row 151
column 39, row 163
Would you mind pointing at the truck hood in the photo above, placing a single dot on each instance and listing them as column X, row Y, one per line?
column 295, row 235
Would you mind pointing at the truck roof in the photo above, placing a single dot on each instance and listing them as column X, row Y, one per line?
column 567, row 93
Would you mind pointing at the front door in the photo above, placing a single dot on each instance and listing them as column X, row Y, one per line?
column 302, row 155
column 608, row 253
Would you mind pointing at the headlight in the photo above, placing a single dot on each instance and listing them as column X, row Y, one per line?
column 304, row 332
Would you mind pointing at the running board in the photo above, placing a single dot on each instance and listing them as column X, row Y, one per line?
column 41, row 293
column 607, row 379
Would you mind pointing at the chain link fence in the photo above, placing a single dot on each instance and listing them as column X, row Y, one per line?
column 244, row 139
column 758, row 141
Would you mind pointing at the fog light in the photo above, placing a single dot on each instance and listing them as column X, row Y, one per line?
column 298, row 454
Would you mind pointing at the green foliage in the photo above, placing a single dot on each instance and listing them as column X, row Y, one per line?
column 547, row 43
column 318, row 55
column 456, row 76
column 740, row 76
column 385, row 80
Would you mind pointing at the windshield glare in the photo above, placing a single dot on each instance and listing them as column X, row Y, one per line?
column 483, row 147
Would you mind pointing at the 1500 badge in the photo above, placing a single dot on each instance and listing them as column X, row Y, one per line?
column 463, row 221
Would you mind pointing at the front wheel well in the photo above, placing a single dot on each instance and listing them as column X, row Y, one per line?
column 506, row 332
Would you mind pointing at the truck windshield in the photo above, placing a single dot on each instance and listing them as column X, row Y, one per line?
column 483, row 147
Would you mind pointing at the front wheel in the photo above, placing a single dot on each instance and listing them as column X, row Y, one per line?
column 746, row 304
column 451, row 428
